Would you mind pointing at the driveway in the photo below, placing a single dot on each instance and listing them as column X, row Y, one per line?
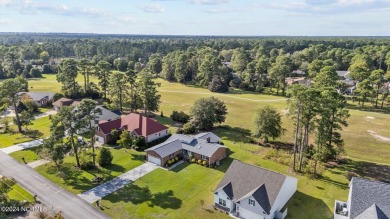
column 22, row 146
column 119, row 182
column 48, row 193
column 48, row 113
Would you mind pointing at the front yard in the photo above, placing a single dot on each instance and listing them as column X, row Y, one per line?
column 187, row 191
column 41, row 127
column 78, row 181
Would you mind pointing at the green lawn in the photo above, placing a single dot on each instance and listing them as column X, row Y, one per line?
column 78, row 181
column 167, row 194
column 20, row 194
column 29, row 155
column 41, row 126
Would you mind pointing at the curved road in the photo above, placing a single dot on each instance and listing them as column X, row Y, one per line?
column 48, row 193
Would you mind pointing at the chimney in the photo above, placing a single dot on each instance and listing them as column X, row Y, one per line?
column 208, row 140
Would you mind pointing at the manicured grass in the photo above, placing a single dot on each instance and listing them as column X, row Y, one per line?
column 49, row 83
column 167, row 194
column 19, row 194
column 41, row 126
column 78, row 181
column 29, row 155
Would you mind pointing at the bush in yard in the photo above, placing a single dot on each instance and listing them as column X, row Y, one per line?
column 218, row 84
column 176, row 158
column 173, row 160
column 204, row 163
column 189, row 128
column 199, row 161
column 349, row 175
column 193, row 160
column 105, row 157
column 180, row 117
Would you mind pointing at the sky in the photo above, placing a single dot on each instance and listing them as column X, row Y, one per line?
column 199, row 17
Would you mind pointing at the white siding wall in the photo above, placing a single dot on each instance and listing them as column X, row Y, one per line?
column 256, row 210
column 286, row 192
column 221, row 194
column 156, row 135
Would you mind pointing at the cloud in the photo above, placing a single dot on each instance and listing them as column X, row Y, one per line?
column 5, row 2
column 4, row 21
column 152, row 8
column 331, row 6
column 210, row 2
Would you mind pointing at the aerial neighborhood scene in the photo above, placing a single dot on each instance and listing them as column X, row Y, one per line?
column 188, row 109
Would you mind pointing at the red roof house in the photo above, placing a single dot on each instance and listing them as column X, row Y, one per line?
column 136, row 124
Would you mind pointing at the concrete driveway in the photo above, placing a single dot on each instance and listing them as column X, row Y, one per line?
column 22, row 146
column 119, row 182
column 50, row 194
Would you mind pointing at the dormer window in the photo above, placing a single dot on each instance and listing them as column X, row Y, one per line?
column 252, row 202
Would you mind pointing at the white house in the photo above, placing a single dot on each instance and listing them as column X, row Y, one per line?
column 367, row 199
column 249, row 192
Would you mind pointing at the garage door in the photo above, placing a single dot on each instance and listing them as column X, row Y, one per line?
column 154, row 160
column 249, row 215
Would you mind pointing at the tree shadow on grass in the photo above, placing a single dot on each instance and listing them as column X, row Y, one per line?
column 115, row 168
column 366, row 169
column 166, row 200
column 368, row 108
column 302, row 205
column 139, row 157
column 234, row 134
column 137, row 195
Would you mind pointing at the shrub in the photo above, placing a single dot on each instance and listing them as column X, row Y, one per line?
column 218, row 85
column 193, row 160
column 169, row 162
column 87, row 165
column 173, row 160
column 57, row 96
column 204, row 163
column 349, row 175
column 199, row 161
column 189, row 128
column 35, row 73
column 162, row 114
column 177, row 158
column 105, row 157
column 180, row 117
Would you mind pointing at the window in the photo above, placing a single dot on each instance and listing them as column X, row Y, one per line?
column 204, row 157
column 222, row 202
column 252, row 202
column 159, row 134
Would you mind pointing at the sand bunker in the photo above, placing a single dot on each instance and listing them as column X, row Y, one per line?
column 370, row 117
column 378, row 137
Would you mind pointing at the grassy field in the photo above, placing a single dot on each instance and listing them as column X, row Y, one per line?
column 78, row 181
column 41, row 126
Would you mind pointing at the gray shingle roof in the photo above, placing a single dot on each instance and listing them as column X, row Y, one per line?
column 366, row 193
column 372, row 212
column 186, row 142
column 166, row 148
column 249, row 180
column 36, row 96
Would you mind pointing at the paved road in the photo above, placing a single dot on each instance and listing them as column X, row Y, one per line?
column 22, row 146
column 119, row 182
column 72, row 206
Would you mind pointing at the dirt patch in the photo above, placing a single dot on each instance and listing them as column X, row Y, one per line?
column 378, row 137
column 370, row 117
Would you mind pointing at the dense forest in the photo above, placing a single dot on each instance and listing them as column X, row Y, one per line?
column 248, row 63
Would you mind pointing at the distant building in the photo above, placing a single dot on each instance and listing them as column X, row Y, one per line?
column 300, row 80
column 298, row 73
column 62, row 102
column 40, row 98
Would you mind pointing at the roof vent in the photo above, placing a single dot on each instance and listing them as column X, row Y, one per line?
column 198, row 147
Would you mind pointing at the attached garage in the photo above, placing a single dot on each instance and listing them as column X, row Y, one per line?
column 154, row 159
column 248, row 214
